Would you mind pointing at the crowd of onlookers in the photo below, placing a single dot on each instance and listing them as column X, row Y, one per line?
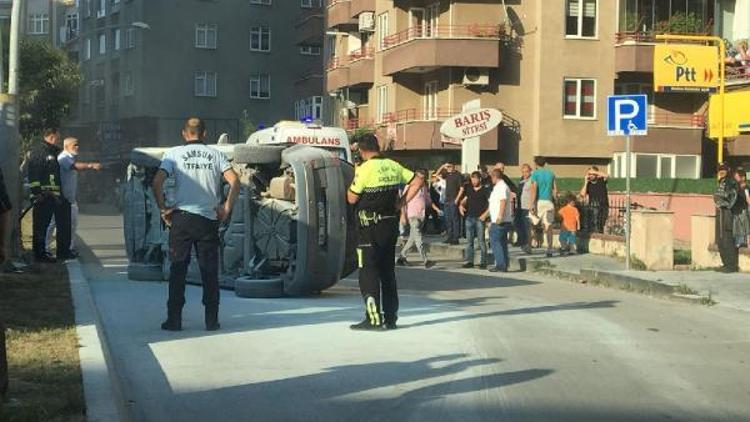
column 732, row 198
column 487, row 203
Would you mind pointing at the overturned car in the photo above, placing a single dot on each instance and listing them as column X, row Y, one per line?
column 291, row 231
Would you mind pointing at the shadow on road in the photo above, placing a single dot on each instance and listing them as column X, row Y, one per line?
column 373, row 391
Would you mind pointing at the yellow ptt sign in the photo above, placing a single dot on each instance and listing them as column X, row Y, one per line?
column 686, row 68
column 736, row 114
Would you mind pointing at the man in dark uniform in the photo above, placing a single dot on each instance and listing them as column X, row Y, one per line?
column 375, row 192
column 194, row 218
column 44, row 180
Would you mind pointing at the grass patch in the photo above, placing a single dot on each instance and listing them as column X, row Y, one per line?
column 683, row 257
column 684, row 289
column 44, row 370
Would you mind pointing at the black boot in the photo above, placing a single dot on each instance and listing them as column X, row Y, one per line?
column 212, row 318
column 174, row 320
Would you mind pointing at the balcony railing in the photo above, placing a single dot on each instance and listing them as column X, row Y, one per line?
column 413, row 114
column 330, row 3
column 645, row 37
column 334, row 63
column 479, row 31
column 690, row 121
column 362, row 53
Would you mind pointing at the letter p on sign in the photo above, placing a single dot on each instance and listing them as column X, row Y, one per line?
column 627, row 115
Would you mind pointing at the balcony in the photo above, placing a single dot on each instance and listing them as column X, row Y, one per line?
column 309, row 28
column 634, row 52
column 354, row 71
column 416, row 129
column 420, row 49
column 738, row 74
column 670, row 132
column 359, row 6
column 339, row 14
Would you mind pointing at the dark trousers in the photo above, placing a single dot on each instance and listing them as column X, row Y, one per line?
column 599, row 215
column 377, row 260
column 44, row 209
column 521, row 222
column 725, row 241
column 452, row 220
column 190, row 230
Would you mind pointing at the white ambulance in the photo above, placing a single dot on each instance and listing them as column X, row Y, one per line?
column 333, row 139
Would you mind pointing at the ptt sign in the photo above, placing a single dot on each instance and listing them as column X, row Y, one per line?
column 686, row 68
column 627, row 115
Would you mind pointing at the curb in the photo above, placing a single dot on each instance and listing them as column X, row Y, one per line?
column 456, row 252
column 101, row 389
column 625, row 282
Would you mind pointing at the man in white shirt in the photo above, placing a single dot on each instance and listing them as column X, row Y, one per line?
column 69, row 168
column 501, row 221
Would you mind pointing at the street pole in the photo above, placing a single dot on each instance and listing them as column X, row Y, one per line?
column 627, row 203
column 9, row 151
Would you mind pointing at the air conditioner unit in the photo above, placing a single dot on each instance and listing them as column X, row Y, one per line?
column 476, row 76
column 367, row 22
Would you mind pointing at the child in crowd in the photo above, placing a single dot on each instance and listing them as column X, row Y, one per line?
column 571, row 223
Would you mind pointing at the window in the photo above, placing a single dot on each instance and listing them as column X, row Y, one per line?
column 424, row 20
column 102, row 44
column 128, row 86
column 310, row 50
column 116, row 39
column 38, row 24
column 87, row 49
column 71, row 25
column 130, row 38
column 579, row 98
column 87, row 5
column 309, row 108
column 662, row 166
column 205, row 84
column 382, row 29
column 308, row 4
column 205, row 35
column 101, row 11
column 260, row 1
column 382, row 105
column 580, row 18
column 260, row 38
column 639, row 88
column 260, row 86
column 430, row 100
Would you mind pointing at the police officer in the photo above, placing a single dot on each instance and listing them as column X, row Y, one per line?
column 194, row 219
column 44, row 180
column 375, row 192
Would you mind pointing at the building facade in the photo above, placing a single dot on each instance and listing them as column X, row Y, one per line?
column 149, row 64
column 402, row 67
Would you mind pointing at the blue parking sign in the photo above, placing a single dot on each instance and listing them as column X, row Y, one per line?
column 627, row 115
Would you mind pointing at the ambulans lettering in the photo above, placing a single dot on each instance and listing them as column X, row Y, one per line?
column 314, row 140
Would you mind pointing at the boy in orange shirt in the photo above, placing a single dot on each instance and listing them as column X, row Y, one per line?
column 571, row 223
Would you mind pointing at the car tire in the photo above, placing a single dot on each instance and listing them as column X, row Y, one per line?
column 250, row 287
column 258, row 154
column 145, row 272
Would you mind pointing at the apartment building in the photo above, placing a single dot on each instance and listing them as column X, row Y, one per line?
column 149, row 64
column 404, row 66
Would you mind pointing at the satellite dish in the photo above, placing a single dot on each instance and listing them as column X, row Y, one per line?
column 350, row 105
column 223, row 139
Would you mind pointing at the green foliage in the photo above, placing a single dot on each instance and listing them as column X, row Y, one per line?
column 681, row 23
column 683, row 257
column 645, row 185
column 362, row 131
column 247, row 126
column 48, row 86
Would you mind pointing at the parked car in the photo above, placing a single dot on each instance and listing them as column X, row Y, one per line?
column 290, row 233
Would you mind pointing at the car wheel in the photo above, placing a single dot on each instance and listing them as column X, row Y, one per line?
column 145, row 272
column 258, row 154
column 258, row 287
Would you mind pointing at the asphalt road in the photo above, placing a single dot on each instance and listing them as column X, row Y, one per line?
column 472, row 347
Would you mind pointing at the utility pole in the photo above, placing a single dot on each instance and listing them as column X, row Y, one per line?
column 9, row 137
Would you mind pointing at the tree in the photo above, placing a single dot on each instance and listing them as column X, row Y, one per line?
column 48, row 86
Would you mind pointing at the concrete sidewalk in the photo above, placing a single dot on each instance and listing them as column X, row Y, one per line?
column 729, row 290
